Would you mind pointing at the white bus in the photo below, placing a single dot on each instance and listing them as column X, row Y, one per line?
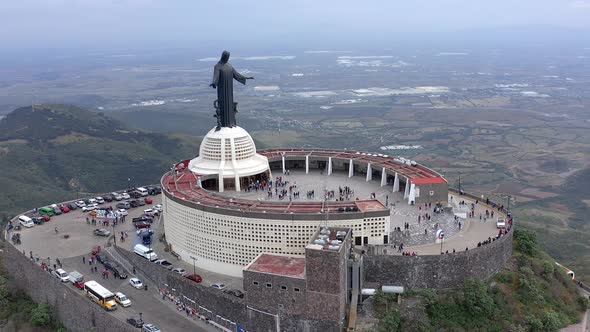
column 100, row 295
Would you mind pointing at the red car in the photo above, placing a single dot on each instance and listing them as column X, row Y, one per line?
column 148, row 200
column 64, row 209
column 45, row 217
column 79, row 285
column 142, row 224
column 194, row 277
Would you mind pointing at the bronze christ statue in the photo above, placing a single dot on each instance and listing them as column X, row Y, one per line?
column 223, row 80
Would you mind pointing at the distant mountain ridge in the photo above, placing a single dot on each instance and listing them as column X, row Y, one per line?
column 48, row 153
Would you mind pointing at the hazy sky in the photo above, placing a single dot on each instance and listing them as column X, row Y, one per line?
column 105, row 23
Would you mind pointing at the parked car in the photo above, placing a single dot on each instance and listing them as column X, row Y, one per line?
column 46, row 211
column 116, row 196
column 122, row 299
column 179, row 270
column 26, row 221
column 154, row 190
column 133, row 203
column 99, row 200
column 158, row 208
column 72, row 206
column 150, row 328
column 501, row 223
column 107, row 198
column 143, row 218
column 140, row 202
column 90, row 207
column 38, row 220
column 77, row 279
column 125, row 196
column 80, row 204
column 136, row 283
column 146, row 239
column 148, row 200
column 56, row 209
column 142, row 224
column 61, row 275
column 234, row 292
column 102, row 232
column 117, row 270
column 219, row 286
column 45, row 217
column 123, row 212
column 64, row 208
column 135, row 322
column 164, row 263
column 151, row 212
column 102, row 258
column 123, row 205
column 143, row 231
column 194, row 277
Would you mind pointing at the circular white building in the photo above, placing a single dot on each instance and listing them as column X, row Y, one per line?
column 223, row 228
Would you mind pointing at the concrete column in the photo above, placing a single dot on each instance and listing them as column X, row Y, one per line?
column 369, row 172
column 350, row 169
column 307, row 164
column 283, row 158
column 396, row 183
column 237, row 183
column 220, row 182
column 407, row 191
column 412, row 195
column 383, row 177
column 329, row 165
column 199, row 183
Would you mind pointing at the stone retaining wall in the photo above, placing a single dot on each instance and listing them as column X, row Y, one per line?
column 77, row 313
column 446, row 271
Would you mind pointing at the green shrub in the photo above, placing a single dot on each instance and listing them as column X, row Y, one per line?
column 476, row 299
column 41, row 315
column 504, row 277
column 526, row 241
column 583, row 303
column 391, row 322
column 551, row 321
column 534, row 323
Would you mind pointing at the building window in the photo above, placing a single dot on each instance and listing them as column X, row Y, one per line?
column 269, row 285
column 255, row 283
column 296, row 289
column 284, row 287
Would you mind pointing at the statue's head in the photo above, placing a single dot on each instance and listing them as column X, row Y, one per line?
column 224, row 57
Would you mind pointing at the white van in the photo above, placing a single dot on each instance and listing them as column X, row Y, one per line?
column 145, row 252
column 142, row 191
column 26, row 221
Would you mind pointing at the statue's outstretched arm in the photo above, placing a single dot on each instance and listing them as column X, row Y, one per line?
column 241, row 78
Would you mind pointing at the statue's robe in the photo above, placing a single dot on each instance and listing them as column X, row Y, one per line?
column 223, row 76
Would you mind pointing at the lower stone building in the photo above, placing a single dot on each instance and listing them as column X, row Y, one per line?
column 314, row 287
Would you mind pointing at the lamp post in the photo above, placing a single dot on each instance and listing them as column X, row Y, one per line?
column 140, row 317
column 508, row 198
column 128, row 183
column 194, row 266
column 114, row 234
column 442, row 239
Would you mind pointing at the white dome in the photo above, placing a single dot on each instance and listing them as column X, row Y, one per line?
column 229, row 153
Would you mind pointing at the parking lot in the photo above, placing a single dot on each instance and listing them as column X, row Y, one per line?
column 74, row 240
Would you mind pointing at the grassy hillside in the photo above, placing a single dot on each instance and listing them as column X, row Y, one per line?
column 529, row 294
column 50, row 153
